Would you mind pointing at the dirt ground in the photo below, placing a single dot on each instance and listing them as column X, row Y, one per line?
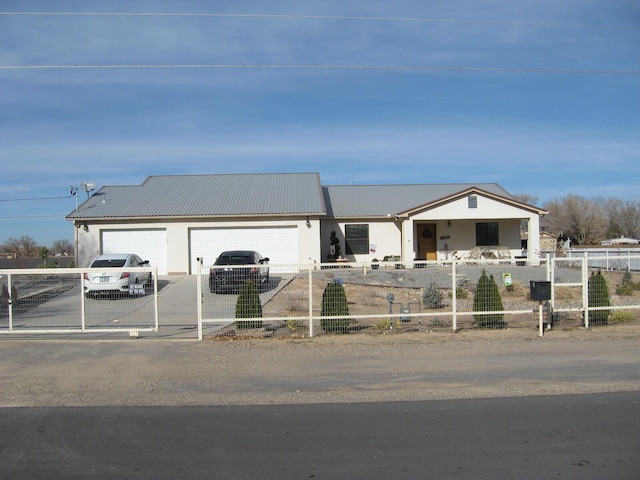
column 323, row 369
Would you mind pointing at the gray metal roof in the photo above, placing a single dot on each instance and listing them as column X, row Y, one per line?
column 351, row 201
column 263, row 195
column 208, row 195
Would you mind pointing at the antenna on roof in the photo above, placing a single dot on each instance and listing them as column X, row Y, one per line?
column 88, row 187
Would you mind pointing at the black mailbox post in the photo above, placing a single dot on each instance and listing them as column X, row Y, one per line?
column 540, row 290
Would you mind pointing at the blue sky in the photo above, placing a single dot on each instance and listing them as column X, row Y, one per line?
column 494, row 91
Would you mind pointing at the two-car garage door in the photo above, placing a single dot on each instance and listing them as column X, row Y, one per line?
column 279, row 244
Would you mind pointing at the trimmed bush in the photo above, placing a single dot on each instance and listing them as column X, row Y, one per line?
column 334, row 303
column 487, row 298
column 248, row 306
column 598, row 296
column 432, row 297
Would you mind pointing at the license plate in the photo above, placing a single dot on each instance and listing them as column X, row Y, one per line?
column 104, row 279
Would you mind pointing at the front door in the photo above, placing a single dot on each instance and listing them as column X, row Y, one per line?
column 427, row 244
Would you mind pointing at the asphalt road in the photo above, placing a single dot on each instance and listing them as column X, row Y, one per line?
column 572, row 436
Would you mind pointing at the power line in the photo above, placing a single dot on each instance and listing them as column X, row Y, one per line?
column 323, row 67
column 34, row 216
column 319, row 17
column 32, row 199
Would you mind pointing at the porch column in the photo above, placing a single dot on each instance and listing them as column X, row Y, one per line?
column 406, row 239
column 533, row 241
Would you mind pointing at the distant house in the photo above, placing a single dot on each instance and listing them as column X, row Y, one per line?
column 174, row 220
column 620, row 242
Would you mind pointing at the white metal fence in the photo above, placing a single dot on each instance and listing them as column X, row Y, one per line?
column 53, row 301
column 608, row 258
column 314, row 299
column 396, row 296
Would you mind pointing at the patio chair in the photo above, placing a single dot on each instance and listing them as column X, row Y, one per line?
column 475, row 254
column 504, row 253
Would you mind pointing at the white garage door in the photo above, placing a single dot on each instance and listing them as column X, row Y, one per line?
column 279, row 244
column 147, row 244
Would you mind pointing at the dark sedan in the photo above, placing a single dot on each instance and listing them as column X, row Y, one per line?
column 234, row 267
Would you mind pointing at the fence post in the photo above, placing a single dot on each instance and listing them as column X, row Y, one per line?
column 9, row 303
column 155, row 299
column 199, row 299
column 454, row 296
column 83, row 318
column 585, row 289
column 551, row 275
column 310, row 300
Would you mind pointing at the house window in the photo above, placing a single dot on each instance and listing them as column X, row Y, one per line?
column 487, row 234
column 356, row 238
column 473, row 201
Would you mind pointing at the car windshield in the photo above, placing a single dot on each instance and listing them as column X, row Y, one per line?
column 115, row 263
column 234, row 260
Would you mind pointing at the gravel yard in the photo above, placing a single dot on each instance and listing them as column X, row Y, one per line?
column 326, row 369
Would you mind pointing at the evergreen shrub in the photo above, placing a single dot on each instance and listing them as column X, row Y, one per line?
column 334, row 304
column 432, row 297
column 487, row 298
column 598, row 296
column 248, row 306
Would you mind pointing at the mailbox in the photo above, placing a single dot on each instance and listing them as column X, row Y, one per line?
column 540, row 290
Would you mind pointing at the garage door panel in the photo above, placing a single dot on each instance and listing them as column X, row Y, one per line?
column 149, row 244
column 280, row 244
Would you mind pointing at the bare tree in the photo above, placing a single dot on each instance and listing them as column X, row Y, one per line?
column 62, row 247
column 25, row 246
column 525, row 198
column 624, row 218
column 580, row 219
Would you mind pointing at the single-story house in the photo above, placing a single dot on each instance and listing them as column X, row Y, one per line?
column 620, row 242
column 175, row 220
column 548, row 242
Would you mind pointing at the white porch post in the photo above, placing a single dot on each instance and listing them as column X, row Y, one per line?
column 533, row 242
column 406, row 237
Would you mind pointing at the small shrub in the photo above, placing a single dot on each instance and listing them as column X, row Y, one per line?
column 628, row 285
column 437, row 323
column 626, row 289
column 461, row 293
column 248, row 306
column 334, row 304
column 383, row 324
column 294, row 324
column 621, row 316
column 598, row 296
column 487, row 298
column 432, row 297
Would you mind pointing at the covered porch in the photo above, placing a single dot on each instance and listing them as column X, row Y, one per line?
column 472, row 239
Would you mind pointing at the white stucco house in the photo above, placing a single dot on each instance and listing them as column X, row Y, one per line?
column 173, row 220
